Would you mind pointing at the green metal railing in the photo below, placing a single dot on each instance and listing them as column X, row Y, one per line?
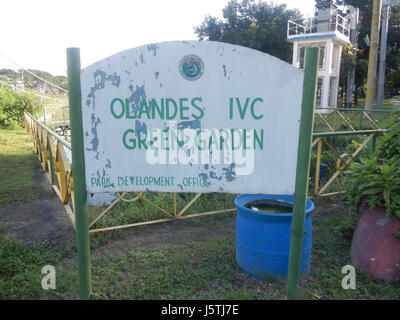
column 49, row 131
column 343, row 160
column 341, row 119
column 335, row 119
column 51, row 152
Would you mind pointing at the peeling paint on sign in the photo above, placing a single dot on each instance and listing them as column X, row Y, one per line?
column 233, row 127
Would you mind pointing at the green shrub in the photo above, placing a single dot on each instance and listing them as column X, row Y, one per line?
column 376, row 181
column 13, row 104
column 389, row 144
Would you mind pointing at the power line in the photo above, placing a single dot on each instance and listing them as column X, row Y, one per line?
column 30, row 72
column 37, row 95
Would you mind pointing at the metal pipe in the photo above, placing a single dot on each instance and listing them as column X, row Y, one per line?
column 382, row 55
column 302, row 172
column 78, row 168
column 346, row 133
column 52, row 133
column 318, row 167
column 352, row 72
column 373, row 54
column 344, row 109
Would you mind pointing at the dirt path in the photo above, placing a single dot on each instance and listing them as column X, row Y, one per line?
column 42, row 221
column 175, row 233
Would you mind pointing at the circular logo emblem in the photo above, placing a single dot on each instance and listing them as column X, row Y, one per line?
column 191, row 67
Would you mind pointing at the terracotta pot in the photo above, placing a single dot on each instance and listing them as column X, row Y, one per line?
column 374, row 247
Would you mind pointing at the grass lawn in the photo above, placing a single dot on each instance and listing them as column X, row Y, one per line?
column 202, row 269
column 209, row 270
column 17, row 161
column 196, row 270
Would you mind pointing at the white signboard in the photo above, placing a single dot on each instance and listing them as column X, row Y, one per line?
column 191, row 117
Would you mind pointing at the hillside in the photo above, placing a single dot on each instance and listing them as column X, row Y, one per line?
column 31, row 82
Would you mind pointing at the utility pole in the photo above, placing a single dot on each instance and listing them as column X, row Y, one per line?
column 354, row 42
column 382, row 53
column 22, row 80
column 373, row 54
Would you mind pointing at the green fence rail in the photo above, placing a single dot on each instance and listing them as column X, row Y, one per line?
column 343, row 160
column 325, row 119
column 346, row 119
column 52, row 153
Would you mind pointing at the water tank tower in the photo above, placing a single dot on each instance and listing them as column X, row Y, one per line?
column 328, row 31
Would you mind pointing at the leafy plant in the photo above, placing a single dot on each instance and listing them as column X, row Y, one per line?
column 376, row 181
column 389, row 144
column 13, row 105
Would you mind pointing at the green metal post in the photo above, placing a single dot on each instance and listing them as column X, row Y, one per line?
column 302, row 172
column 78, row 169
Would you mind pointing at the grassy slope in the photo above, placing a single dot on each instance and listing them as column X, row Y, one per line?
column 17, row 161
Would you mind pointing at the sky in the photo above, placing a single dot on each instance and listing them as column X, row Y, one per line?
column 35, row 34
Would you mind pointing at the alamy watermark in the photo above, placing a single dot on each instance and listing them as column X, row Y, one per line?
column 349, row 280
column 49, row 280
column 198, row 146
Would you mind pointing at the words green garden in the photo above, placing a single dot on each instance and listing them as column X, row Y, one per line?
column 189, row 109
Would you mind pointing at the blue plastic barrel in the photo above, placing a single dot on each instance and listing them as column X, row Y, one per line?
column 263, row 239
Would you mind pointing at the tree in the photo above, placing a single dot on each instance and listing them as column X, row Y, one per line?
column 322, row 4
column 262, row 26
column 8, row 73
column 392, row 75
column 13, row 104
column 258, row 25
